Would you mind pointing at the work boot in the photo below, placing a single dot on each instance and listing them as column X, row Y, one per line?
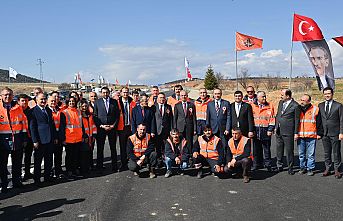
column 199, row 175
column 310, row 173
column 246, row 179
column 152, row 174
column 302, row 171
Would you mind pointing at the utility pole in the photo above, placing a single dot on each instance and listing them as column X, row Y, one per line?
column 40, row 63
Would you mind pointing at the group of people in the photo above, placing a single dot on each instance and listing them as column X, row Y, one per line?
column 207, row 133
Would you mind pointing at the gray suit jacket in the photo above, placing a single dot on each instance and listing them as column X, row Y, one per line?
column 163, row 123
column 333, row 123
column 221, row 122
column 287, row 123
column 185, row 122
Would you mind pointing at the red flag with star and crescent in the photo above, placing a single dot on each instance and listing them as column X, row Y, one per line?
column 305, row 29
column 339, row 40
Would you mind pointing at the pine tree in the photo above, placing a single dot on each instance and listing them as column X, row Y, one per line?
column 210, row 79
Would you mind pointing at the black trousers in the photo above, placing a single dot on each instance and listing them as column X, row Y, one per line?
column 332, row 145
column 17, row 159
column 243, row 164
column 189, row 134
column 28, row 150
column 205, row 162
column 84, row 161
column 200, row 127
column 43, row 151
column 285, row 143
column 123, row 137
column 58, row 151
column 150, row 160
column 262, row 147
column 112, row 139
column 72, row 159
column 224, row 138
column 3, row 166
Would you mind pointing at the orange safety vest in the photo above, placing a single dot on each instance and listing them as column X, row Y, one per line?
column 263, row 117
column 89, row 125
column 172, row 102
column 201, row 108
column 139, row 146
column 73, row 131
column 240, row 147
column 209, row 149
column 16, row 124
column 151, row 101
column 56, row 116
column 121, row 120
column 62, row 107
column 307, row 127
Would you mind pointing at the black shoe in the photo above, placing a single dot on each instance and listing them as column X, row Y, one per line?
column 269, row 169
column 18, row 185
column 199, row 175
column 27, row 176
column 114, row 169
column 38, row 184
column 291, row 172
column 123, row 168
column 4, row 189
column 279, row 169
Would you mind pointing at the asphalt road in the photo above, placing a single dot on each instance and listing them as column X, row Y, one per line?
column 121, row 196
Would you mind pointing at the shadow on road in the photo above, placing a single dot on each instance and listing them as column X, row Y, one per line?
column 38, row 210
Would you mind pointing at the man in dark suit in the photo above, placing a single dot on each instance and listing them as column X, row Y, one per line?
column 219, row 116
column 164, row 121
column 185, row 118
column 287, row 123
column 242, row 116
column 106, row 115
column 332, row 120
column 143, row 114
column 43, row 133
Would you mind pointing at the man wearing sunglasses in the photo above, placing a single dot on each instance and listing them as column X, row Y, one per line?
column 250, row 97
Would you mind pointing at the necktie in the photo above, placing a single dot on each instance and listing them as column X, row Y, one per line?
column 283, row 107
column 327, row 108
column 261, row 106
column 238, row 109
column 106, row 104
column 185, row 108
column 143, row 112
column 45, row 113
column 126, row 114
column 217, row 107
column 161, row 109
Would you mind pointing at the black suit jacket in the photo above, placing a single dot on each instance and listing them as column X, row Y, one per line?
column 42, row 126
column 185, row 122
column 245, row 119
column 333, row 122
column 101, row 117
column 163, row 123
column 148, row 119
column 287, row 123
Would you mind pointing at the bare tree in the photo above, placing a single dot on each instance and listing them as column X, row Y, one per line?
column 271, row 83
column 256, row 81
column 307, row 82
column 244, row 77
column 220, row 79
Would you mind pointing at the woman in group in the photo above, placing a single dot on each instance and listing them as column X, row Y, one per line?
column 86, row 155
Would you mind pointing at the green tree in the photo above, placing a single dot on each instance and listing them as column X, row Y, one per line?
column 211, row 81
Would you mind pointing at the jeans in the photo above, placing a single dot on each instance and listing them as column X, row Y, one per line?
column 306, row 147
column 169, row 163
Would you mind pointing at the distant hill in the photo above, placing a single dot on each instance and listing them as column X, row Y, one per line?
column 20, row 78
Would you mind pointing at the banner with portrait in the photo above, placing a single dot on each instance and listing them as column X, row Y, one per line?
column 319, row 55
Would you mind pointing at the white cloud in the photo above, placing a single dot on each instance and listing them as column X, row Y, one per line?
column 162, row 62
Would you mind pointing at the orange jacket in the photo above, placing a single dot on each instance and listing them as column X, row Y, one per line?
column 56, row 116
column 139, row 146
column 16, row 124
column 201, row 108
column 121, row 120
column 73, row 128
column 308, row 124
column 236, row 152
column 209, row 149
column 265, row 116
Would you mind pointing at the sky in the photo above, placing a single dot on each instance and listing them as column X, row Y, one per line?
column 145, row 41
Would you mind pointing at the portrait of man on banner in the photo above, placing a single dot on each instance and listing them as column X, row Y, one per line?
column 319, row 55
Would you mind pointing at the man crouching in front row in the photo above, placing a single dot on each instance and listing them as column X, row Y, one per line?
column 239, row 154
column 141, row 151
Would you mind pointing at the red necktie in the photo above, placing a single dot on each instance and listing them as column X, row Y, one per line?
column 142, row 112
column 184, row 108
column 161, row 109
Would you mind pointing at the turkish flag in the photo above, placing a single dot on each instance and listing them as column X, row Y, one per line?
column 339, row 40
column 189, row 76
column 246, row 42
column 305, row 29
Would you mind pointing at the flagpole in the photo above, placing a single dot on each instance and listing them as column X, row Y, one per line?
column 291, row 71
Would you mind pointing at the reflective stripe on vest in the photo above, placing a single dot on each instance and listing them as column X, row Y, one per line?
column 139, row 146
column 209, row 149
column 240, row 147
column 308, row 125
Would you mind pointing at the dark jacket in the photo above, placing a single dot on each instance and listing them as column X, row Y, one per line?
column 220, row 149
column 176, row 151
column 221, row 122
column 333, row 123
column 148, row 119
column 185, row 122
column 245, row 119
column 102, row 117
column 42, row 126
column 287, row 123
column 163, row 123
column 148, row 151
